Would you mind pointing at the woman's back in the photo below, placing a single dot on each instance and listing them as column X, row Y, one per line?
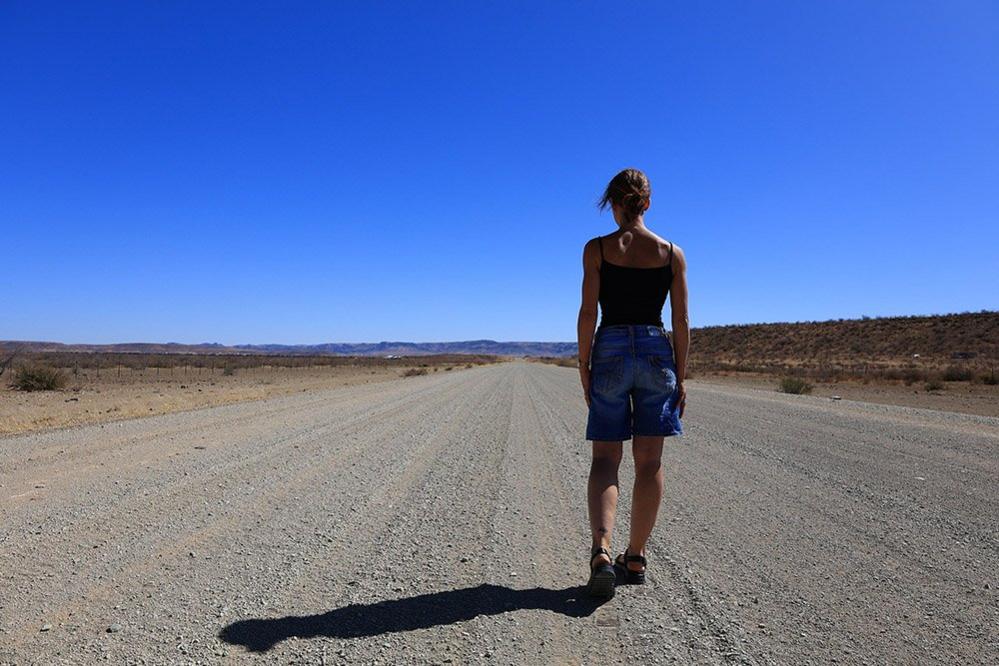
column 635, row 278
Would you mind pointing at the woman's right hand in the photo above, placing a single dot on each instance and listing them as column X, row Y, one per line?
column 584, row 378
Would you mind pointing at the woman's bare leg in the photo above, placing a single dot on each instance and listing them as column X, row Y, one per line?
column 648, row 492
column 602, row 491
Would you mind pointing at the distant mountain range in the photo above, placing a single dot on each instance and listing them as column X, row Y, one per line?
column 966, row 335
column 329, row 348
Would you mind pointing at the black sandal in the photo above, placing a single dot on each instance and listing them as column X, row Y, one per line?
column 602, row 577
column 631, row 577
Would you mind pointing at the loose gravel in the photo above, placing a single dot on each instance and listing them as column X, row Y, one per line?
column 442, row 519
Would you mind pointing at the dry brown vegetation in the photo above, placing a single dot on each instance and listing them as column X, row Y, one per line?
column 957, row 347
column 99, row 363
column 564, row 361
column 37, row 377
column 35, row 370
column 102, row 387
column 795, row 385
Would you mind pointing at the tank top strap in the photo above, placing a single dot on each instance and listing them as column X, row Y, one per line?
column 670, row 262
column 600, row 242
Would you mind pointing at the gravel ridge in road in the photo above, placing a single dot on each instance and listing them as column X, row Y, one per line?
column 442, row 519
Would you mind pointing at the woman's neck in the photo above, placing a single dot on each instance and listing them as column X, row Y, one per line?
column 631, row 225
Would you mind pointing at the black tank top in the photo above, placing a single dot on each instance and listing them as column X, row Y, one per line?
column 631, row 295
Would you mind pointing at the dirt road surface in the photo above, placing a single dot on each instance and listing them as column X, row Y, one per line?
column 441, row 519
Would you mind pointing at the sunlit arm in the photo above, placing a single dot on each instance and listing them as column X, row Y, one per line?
column 680, row 318
column 587, row 322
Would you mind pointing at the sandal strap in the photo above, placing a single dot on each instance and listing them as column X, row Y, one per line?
column 633, row 558
column 598, row 550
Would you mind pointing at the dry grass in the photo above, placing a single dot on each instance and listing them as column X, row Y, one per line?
column 562, row 361
column 911, row 350
column 955, row 373
column 100, row 363
column 37, row 377
column 794, row 385
column 99, row 390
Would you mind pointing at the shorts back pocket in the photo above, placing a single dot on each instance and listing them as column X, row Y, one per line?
column 606, row 373
column 664, row 372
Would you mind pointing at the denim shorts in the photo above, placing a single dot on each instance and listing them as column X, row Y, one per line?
column 633, row 388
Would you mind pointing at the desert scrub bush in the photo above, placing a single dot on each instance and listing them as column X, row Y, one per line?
column 228, row 371
column 990, row 378
column 413, row 372
column 38, row 378
column 934, row 385
column 794, row 385
column 955, row 373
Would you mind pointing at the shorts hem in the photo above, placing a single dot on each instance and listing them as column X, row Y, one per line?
column 608, row 439
column 672, row 433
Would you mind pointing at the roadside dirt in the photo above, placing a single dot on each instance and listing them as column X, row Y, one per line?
column 125, row 393
column 965, row 397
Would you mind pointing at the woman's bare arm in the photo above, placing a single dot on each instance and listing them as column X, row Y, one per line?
column 587, row 322
column 680, row 320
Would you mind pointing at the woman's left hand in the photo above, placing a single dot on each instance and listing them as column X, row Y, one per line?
column 584, row 378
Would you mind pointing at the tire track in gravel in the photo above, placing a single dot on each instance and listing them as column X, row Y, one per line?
column 180, row 538
column 531, row 520
column 60, row 447
column 182, row 486
column 485, row 609
column 814, row 531
column 542, row 487
column 835, row 540
column 120, row 441
column 391, row 550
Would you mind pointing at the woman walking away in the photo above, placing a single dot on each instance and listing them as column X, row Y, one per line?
column 632, row 372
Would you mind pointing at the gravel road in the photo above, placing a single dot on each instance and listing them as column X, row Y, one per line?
column 442, row 519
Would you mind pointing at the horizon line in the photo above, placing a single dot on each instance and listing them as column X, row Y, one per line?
column 466, row 340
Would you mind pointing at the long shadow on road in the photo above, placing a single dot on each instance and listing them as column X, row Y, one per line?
column 419, row 612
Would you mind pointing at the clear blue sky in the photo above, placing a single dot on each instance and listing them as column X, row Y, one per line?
column 330, row 171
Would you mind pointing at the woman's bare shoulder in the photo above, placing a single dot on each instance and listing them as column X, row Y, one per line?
column 591, row 251
column 679, row 258
column 592, row 245
column 667, row 246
